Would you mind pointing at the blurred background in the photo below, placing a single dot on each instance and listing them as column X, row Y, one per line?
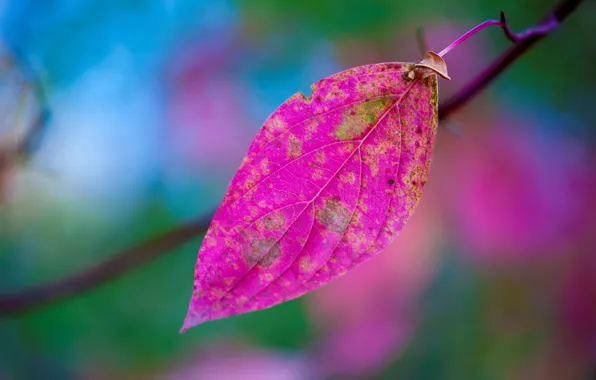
column 153, row 104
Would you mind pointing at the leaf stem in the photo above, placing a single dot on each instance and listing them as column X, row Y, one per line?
column 122, row 262
column 546, row 26
column 469, row 34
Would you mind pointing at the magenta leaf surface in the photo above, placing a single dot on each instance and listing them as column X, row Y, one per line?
column 328, row 182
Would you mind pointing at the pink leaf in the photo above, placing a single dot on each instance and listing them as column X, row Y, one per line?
column 328, row 182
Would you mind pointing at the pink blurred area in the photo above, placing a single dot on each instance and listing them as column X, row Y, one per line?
column 206, row 111
column 240, row 361
column 519, row 201
column 519, row 192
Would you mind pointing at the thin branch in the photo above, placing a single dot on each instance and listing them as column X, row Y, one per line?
column 90, row 277
column 121, row 262
column 525, row 40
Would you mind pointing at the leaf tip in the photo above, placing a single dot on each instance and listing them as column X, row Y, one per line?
column 192, row 319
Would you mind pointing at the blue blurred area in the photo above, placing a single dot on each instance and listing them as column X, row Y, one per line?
column 154, row 104
column 68, row 37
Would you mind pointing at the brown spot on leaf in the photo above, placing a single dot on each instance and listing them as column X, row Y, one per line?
column 271, row 256
column 320, row 156
column 351, row 177
column 306, row 264
column 274, row 221
column 372, row 160
column 265, row 166
column 317, row 174
column 312, row 128
column 256, row 249
column 294, row 147
column 263, row 252
column 334, row 215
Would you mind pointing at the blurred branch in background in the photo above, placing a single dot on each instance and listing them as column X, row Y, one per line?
column 117, row 264
column 18, row 143
column 122, row 262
